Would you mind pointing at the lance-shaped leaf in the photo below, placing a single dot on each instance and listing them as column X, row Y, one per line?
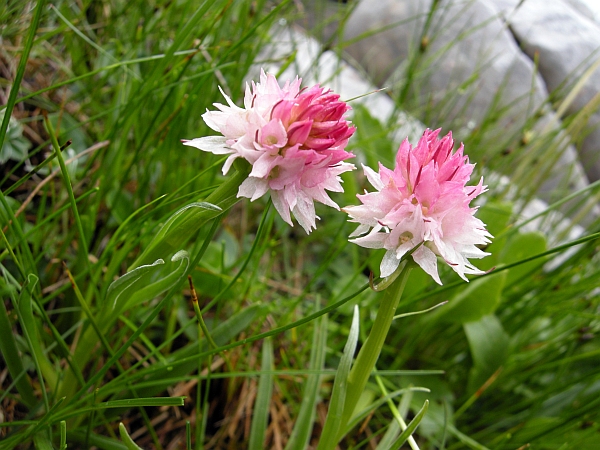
column 186, row 222
column 143, row 284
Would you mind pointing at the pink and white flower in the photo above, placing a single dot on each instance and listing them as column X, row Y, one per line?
column 424, row 200
column 293, row 138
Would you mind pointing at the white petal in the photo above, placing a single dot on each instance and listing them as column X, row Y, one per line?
column 253, row 188
column 362, row 229
column 212, row 144
column 281, row 206
column 389, row 264
column 373, row 177
column 428, row 262
column 372, row 240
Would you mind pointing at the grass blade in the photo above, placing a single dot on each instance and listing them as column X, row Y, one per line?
column 329, row 437
column 10, row 353
column 260, row 415
column 304, row 423
column 127, row 439
column 411, row 427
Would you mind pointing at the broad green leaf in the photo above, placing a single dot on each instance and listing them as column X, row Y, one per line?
column 127, row 439
column 480, row 298
column 331, row 429
column 371, row 138
column 260, row 414
column 143, row 284
column 521, row 246
column 310, row 394
column 63, row 435
column 489, row 344
column 179, row 228
column 496, row 216
column 186, row 222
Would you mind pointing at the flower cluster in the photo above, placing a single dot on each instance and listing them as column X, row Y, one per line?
column 293, row 138
column 423, row 203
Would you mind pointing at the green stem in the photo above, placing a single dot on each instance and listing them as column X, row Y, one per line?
column 369, row 353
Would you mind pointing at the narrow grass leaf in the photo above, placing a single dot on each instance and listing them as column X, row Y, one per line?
column 260, row 414
column 310, row 394
column 10, row 353
column 129, row 443
column 410, row 428
column 44, row 368
column 42, row 441
column 362, row 414
column 331, row 429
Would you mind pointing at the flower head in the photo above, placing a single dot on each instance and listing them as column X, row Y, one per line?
column 423, row 203
column 293, row 138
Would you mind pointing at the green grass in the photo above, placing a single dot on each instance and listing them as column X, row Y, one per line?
column 511, row 360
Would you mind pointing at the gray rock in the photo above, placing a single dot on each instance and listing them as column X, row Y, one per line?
column 567, row 44
column 469, row 64
column 316, row 65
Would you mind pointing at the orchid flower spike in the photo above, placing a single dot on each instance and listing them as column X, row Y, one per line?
column 424, row 200
column 293, row 138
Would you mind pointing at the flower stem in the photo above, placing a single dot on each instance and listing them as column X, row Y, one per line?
column 369, row 353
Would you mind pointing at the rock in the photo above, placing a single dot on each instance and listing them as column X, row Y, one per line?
column 467, row 62
column 567, row 44
column 315, row 65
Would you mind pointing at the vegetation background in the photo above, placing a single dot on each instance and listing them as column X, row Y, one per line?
column 511, row 361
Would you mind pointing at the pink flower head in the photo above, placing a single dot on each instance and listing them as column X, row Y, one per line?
column 424, row 200
column 293, row 138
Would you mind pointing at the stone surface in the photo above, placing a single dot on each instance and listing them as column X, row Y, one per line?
column 567, row 44
column 314, row 65
column 472, row 63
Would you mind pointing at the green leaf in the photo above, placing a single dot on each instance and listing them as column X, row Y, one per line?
column 310, row 394
column 496, row 216
column 42, row 441
column 186, row 222
column 135, row 402
column 144, row 283
column 260, row 414
column 10, row 352
column 329, row 436
column 371, row 138
column 222, row 334
column 127, row 439
column 63, row 435
column 31, row 332
column 411, row 427
column 489, row 348
column 519, row 247
column 366, row 405
column 480, row 298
